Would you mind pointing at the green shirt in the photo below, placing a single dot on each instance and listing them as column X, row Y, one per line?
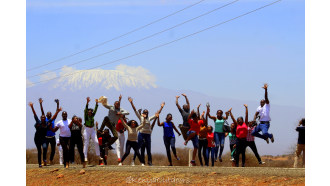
column 219, row 125
column 89, row 120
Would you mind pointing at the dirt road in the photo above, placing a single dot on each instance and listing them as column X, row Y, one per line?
column 155, row 175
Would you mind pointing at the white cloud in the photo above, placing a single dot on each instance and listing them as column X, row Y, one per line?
column 29, row 83
column 48, row 75
column 122, row 76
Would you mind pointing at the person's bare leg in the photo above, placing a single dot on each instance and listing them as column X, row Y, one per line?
column 194, row 154
column 189, row 138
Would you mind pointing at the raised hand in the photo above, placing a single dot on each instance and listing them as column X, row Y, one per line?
column 40, row 100
column 265, row 86
column 97, row 124
column 60, row 109
column 56, row 100
column 157, row 115
column 120, row 96
column 229, row 111
column 184, row 95
column 177, row 97
column 88, row 99
column 30, row 104
column 144, row 115
column 245, row 105
column 203, row 113
column 162, row 105
column 96, row 100
column 130, row 99
column 198, row 105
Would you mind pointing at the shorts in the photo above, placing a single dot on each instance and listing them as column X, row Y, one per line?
column 194, row 140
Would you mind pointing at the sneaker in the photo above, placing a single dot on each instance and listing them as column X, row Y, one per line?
column 86, row 159
column 177, row 158
column 220, row 159
column 267, row 140
column 261, row 162
column 119, row 160
column 193, row 163
column 149, row 163
column 142, row 164
column 67, row 165
column 40, row 166
column 101, row 164
column 120, row 164
column 101, row 158
column 45, row 163
column 132, row 164
column 272, row 139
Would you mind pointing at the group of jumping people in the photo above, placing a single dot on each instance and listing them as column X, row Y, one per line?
column 206, row 139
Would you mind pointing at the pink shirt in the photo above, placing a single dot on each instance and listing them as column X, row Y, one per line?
column 241, row 131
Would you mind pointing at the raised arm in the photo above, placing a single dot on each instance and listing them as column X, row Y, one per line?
column 187, row 101
column 34, row 112
column 41, row 107
column 161, row 108
column 266, row 93
column 96, row 106
column 246, row 114
column 120, row 96
column 198, row 114
column 154, row 122
column 131, row 101
column 226, row 117
column 57, row 106
column 232, row 117
column 177, row 103
column 56, row 113
column 208, row 114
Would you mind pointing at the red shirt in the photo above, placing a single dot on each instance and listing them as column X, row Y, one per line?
column 210, row 139
column 119, row 126
column 241, row 131
column 194, row 126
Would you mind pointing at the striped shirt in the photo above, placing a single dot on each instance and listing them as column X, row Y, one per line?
column 249, row 136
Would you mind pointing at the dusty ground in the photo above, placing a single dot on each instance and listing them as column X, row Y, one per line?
column 159, row 175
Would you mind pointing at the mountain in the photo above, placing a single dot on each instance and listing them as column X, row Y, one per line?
column 140, row 85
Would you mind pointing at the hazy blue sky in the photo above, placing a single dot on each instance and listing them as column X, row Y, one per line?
column 228, row 61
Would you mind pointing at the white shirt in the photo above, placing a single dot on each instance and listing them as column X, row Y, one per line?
column 64, row 128
column 264, row 112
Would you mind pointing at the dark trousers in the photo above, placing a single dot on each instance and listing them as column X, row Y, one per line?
column 65, row 141
column 135, row 146
column 104, row 153
column 253, row 147
column 144, row 141
column 169, row 142
column 52, row 142
column 112, row 126
column 76, row 140
column 202, row 145
column 40, row 144
column 240, row 149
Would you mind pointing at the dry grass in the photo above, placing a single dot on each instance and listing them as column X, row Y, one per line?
column 161, row 159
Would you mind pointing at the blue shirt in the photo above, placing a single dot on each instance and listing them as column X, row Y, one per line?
column 49, row 132
column 168, row 129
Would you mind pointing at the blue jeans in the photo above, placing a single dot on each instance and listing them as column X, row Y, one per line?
column 263, row 127
column 219, row 139
column 144, row 142
column 194, row 140
column 209, row 150
column 169, row 142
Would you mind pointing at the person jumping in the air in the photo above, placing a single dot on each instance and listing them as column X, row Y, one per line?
column 263, row 113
